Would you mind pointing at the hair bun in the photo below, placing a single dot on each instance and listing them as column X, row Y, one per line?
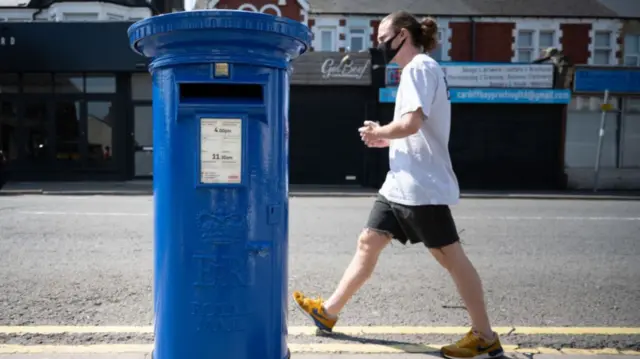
column 429, row 29
column 428, row 23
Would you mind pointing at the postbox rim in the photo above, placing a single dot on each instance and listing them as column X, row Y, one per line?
column 184, row 20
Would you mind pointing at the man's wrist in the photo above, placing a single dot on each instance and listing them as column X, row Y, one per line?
column 379, row 132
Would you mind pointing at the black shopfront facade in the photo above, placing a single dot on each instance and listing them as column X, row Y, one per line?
column 493, row 145
column 75, row 102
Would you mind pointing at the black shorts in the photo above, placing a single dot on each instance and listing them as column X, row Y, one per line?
column 432, row 225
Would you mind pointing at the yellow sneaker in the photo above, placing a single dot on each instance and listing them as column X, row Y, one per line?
column 473, row 347
column 313, row 309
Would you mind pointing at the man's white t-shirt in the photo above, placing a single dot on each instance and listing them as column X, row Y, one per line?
column 420, row 166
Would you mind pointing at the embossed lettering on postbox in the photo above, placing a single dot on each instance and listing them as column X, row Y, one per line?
column 222, row 270
column 219, row 317
column 221, row 227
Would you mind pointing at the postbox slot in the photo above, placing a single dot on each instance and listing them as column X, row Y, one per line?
column 220, row 92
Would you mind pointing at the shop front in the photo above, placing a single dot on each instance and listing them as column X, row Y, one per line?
column 329, row 97
column 66, row 101
column 507, row 125
column 617, row 150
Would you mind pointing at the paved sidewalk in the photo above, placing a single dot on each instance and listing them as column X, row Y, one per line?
column 145, row 188
column 314, row 356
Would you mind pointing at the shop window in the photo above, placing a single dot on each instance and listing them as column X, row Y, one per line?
column 9, row 83
column 621, row 143
column 100, row 118
column 141, row 87
column 583, row 126
column 97, row 83
column 68, row 83
column 632, row 50
column 9, row 129
column 37, row 83
column 602, row 48
column 67, row 123
column 630, row 152
column 35, row 122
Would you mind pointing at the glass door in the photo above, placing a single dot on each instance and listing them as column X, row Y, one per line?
column 37, row 132
column 70, row 148
column 9, row 129
column 143, row 140
column 101, row 116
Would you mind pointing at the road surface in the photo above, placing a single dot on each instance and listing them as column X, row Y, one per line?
column 68, row 262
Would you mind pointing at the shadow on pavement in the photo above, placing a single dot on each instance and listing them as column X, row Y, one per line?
column 406, row 347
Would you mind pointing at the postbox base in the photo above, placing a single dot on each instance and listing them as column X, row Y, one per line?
column 288, row 356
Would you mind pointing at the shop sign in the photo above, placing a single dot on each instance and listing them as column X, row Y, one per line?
column 481, row 75
column 494, row 95
column 346, row 69
column 332, row 68
column 616, row 80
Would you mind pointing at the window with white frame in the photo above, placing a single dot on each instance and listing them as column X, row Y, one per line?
column 602, row 47
column 327, row 39
column 357, row 39
column 632, row 50
column 546, row 39
column 71, row 16
column 115, row 17
column 531, row 43
column 436, row 53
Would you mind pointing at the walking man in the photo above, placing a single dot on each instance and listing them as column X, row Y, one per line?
column 413, row 203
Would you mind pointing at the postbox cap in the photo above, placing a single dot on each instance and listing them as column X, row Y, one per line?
column 211, row 35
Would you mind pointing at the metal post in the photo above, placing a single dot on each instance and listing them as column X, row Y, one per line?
column 604, row 107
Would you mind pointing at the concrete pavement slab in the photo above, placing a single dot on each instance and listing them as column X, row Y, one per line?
column 308, row 356
column 75, row 356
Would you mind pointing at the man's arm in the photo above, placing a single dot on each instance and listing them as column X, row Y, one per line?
column 408, row 125
column 418, row 89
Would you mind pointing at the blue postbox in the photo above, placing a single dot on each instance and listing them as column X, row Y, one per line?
column 220, row 132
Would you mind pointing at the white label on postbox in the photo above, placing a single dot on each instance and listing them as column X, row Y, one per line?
column 220, row 150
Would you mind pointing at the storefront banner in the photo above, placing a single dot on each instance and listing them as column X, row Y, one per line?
column 488, row 75
column 506, row 96
column 332, row 69
column 618, row 81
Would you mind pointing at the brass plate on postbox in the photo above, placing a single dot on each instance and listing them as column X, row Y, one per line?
column 221, row 70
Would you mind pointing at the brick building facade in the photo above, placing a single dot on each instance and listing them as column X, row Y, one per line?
column 586, row 30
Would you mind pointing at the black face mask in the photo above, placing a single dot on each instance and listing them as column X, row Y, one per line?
column 387, row 52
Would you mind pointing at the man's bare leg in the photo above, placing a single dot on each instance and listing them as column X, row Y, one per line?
column 370, row 245
column 454, row 259
column 325, row 314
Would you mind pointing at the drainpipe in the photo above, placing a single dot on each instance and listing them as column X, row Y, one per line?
column 472, row 34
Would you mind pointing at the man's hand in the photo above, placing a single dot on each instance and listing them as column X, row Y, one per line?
column 368, row 134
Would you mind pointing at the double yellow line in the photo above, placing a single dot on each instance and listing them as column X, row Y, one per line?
column 297, row 349
column 348, row 330
column 325, row 348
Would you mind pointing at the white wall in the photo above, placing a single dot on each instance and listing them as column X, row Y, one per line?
column 332, row 23
column 620, row 154
column 76, row 11
column 536, row 25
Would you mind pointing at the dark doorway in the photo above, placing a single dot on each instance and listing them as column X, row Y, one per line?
column 507, row 147
column 324, row 145
column 499, row 147
column 58, row 136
